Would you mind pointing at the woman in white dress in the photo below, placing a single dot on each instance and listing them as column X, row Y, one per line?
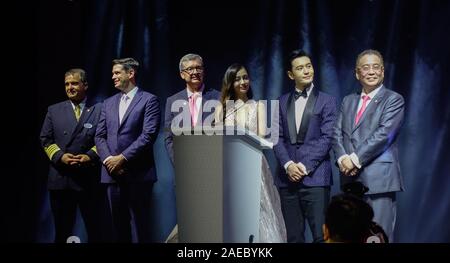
column 243, row 112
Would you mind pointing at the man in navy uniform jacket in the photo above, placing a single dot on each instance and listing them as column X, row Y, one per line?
column 67, row 136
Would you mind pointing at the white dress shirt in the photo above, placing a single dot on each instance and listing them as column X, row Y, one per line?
column 125, row 102
column 353, row 157
column 300, row 105
column 82, row 104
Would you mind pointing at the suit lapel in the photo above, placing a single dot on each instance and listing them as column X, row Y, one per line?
column 307, row 113
column 373, row 105
column 71, row 121
column 69, row 113
column 182, row 95
column 291, row 118
column 115, row 110
column 87, row 111
column 133, row 103
column 353, row 109
column 207, row 95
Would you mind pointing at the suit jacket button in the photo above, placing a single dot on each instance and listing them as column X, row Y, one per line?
column 65, row 133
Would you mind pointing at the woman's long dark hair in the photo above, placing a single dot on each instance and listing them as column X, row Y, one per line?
column 228, row 92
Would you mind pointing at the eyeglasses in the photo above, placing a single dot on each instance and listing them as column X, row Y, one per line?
column 191, row 70
column 375, row 67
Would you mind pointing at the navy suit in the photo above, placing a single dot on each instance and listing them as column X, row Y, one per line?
column 208, row 94
column 309, row 145
column 130, row 193
column 374, row 140
column 73, row 185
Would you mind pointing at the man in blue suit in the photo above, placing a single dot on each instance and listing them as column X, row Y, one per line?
column 127, row 129
column 67, row 136
column 365, row 139
column 195, row 95
column 306, row 121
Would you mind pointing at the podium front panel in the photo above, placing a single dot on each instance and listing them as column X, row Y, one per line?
column 218, row 182
column 199, row 188
column 242, row 194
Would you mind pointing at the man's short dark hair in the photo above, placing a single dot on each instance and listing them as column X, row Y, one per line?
column 298, row 53
column 77, row 71
column 348, row 218
column 127, row 63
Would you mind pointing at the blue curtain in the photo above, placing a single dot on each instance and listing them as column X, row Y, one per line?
column 412, row 35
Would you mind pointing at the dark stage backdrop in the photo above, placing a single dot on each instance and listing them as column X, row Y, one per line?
column 412, row 35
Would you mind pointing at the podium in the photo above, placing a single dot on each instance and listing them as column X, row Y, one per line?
column 218, row 183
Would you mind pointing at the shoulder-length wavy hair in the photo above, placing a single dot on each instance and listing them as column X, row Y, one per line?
column 228, row 92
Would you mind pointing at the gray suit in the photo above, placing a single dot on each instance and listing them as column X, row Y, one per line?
column 374, row 141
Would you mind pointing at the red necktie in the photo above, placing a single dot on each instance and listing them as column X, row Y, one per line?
column 363, row 108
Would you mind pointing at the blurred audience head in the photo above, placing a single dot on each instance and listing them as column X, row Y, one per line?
column 348, row 219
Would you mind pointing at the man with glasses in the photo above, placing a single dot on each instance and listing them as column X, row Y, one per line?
column 365, row 139
column 195, row 96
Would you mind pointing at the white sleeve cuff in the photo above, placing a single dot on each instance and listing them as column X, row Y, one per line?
column 286, row 165
column 106, row 159
column 355, row 160
column 341, row 158
column 303, row 168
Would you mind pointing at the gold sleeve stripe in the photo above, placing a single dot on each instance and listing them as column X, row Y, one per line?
column 94, row 148
column 51, row 150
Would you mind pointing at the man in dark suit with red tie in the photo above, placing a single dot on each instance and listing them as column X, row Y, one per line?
column 306, row 119
column 127, row 129
column 67, row 136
